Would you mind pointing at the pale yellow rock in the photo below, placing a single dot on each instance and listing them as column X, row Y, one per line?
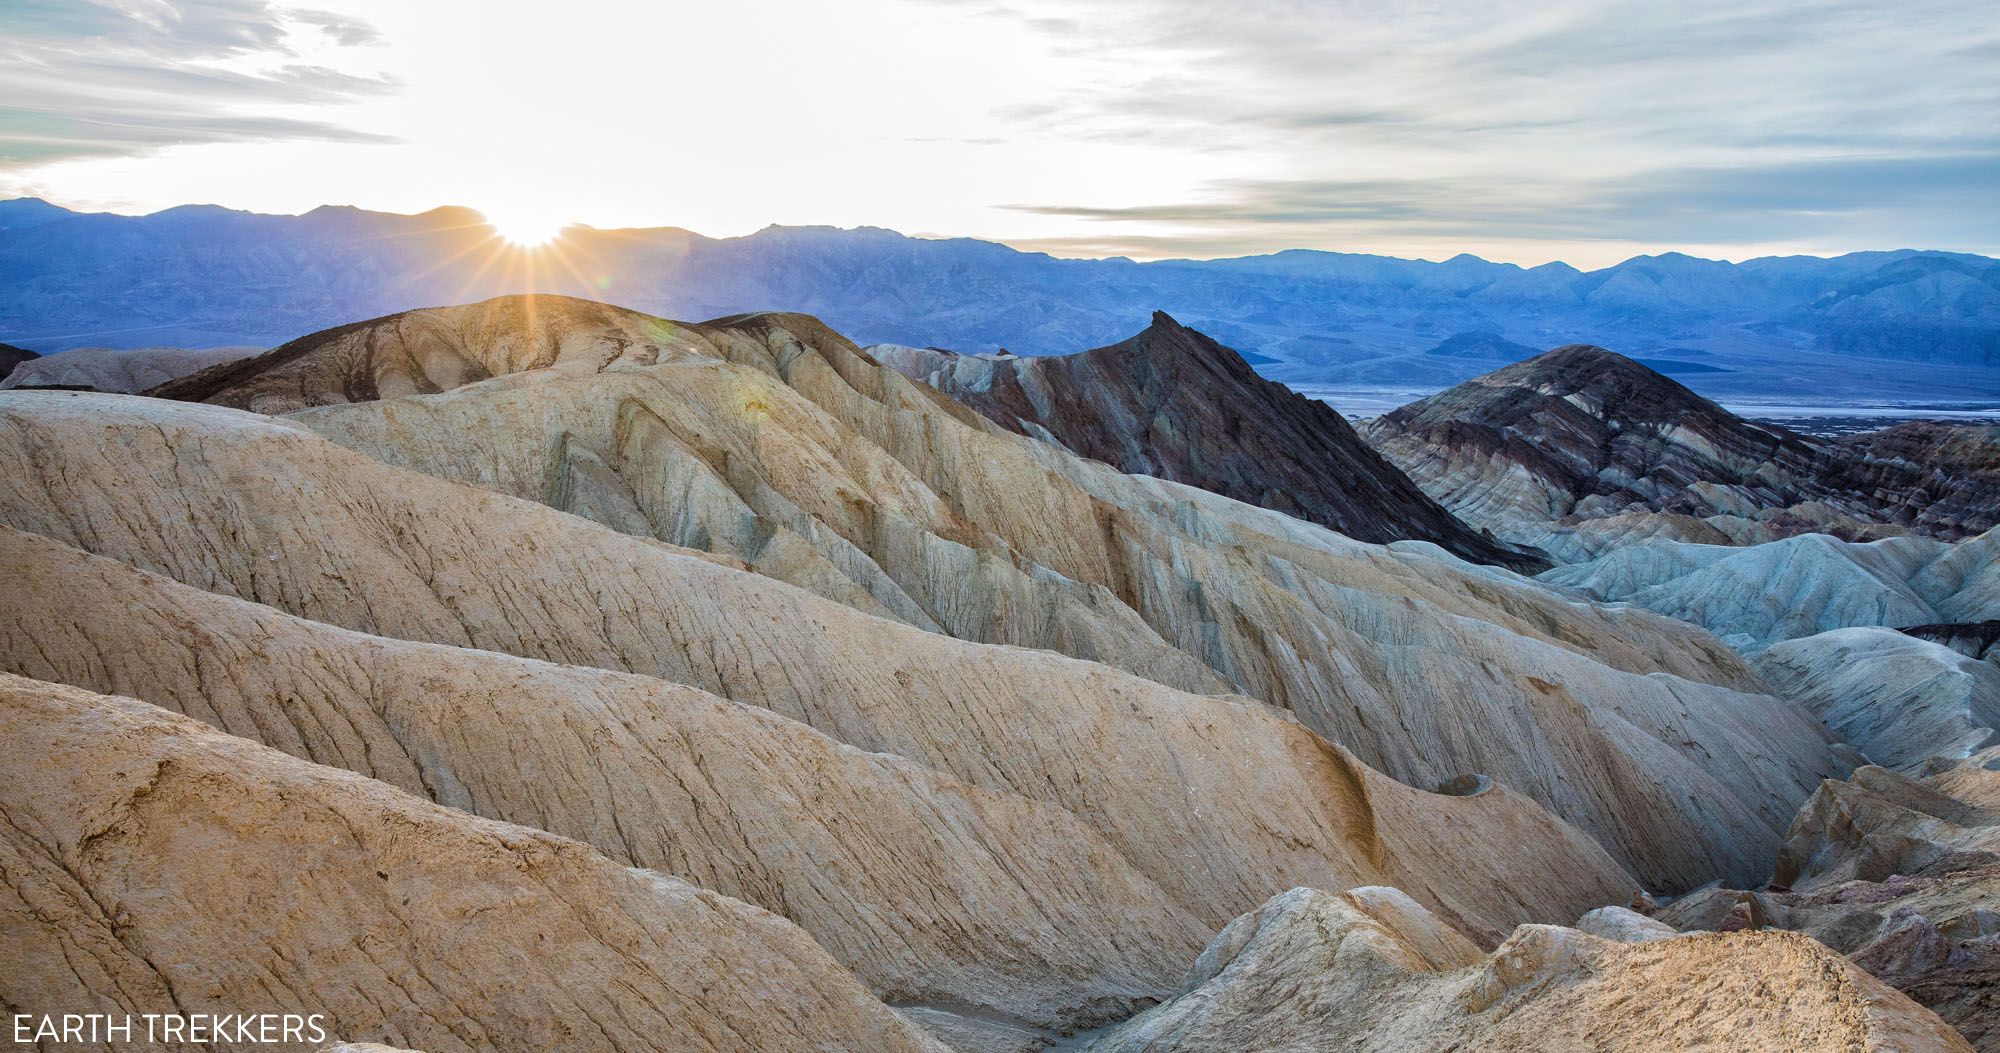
column 1900, row 873
column 156, row 865
column 929, row 889
column 772, row 440
column 1624, row 925
column 1683, row 781
column 1364, row 972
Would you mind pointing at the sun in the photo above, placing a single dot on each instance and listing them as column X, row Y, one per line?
column 525, row 226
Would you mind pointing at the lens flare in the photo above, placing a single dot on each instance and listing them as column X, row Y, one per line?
column 525, row 226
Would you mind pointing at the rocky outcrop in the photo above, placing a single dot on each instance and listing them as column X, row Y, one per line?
column 155, row 865
column 1972, row 639
column 1880, row 823
column 1901, row 874
column 1368, row 970
column 117, row 369
column 417, row 352
column 1173, row 403
column 1960, row 466
column 1900, row 700
column 1757, row 595
column 1539, row 451
column 895, row 486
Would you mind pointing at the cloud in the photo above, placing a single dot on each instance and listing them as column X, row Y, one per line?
column 348, row 32
column 1709, row 121
column 1916, row 201
column 106, row 78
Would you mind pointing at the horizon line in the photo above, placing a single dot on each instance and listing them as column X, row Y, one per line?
column 1003, row 243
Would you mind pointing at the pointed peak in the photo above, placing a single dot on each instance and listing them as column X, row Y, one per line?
column 1582, row 353
column 1163, row 320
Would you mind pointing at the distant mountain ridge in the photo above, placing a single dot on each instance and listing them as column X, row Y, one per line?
column 1916, row 322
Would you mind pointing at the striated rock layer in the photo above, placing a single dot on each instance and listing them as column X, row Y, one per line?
column 1961, row 464
column 1427, row 668
column 1369, row 970
column 930, row 889
column 155, row 865
column 1973, row 639
column 1172, row 403
column 1556, row 450
column 1902, row 701
column 1216, row 801
column 1800, row 586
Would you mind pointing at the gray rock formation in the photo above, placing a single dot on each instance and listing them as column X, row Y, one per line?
column 1900, row 700
column 124, row 370
column 1759, row 594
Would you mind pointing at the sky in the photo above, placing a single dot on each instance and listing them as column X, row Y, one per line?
column 1519, row 131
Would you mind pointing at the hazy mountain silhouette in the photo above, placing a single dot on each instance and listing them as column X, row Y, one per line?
column 1908, row 323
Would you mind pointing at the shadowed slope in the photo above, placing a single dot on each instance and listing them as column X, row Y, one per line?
column 1172, row 403
column 1581, row 434
column 12, row 357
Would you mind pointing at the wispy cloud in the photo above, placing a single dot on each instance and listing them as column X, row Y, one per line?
column 95, row 78
column 1711, row 122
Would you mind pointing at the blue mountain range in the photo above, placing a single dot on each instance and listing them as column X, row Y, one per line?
column 1904, row 324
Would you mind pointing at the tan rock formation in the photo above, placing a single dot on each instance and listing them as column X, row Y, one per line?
column 1901, row 874
column 157, row 865
column 1369, row 971
column 772, row 440
column 1879, row 823
column 1682, row 780
column 423, row 351
column 1042, row 921
column 931, row 890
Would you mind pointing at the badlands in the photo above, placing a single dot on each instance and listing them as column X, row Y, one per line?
column 539, row 674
